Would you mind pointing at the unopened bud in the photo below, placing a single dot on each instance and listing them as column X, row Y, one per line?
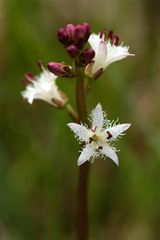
column 63, row 36
column 59, row 69
column 70, row 28
column 87, row 30
column 81, row 34
column 87, row 56
column 76, row 35
column 72, row 50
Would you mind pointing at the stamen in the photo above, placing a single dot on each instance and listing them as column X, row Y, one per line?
column 103, row 34
column 40, row 65
column 115, row 40
column 28, row 78
column 100, row 148
column 109, row 135
column 90, row 139
column 93, row 129
column 110, row 35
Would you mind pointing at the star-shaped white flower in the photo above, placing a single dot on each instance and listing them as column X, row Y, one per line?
column 98, row 140
column 106, row 52
column 44, row 87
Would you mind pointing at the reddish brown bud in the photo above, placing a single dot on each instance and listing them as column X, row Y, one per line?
column 69, row 29
column 87, row 56
column 74, row 35
column 59, row 69
column 63, row 36
column 72, row 50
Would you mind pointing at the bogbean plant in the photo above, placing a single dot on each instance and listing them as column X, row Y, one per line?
column 96, row 133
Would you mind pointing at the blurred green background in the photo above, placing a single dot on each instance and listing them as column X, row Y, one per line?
column 38, row 153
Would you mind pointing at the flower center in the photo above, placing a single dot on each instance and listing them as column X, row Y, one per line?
column 97, row 138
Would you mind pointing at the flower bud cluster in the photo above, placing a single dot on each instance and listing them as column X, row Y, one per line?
column 73, row 37
column 104, row 50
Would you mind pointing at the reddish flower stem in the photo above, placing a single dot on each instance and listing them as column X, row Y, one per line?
column 84, row 169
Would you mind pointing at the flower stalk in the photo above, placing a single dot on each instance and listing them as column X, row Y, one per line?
column 98, row 136
column 82, row 194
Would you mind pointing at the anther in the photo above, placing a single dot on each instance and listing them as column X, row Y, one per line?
column 103, row 34
column 93, row 129
column 115, row 40
column 90, row 139
column 100, row 148
column 110, row 35
column 109, row 135
column 40, row 65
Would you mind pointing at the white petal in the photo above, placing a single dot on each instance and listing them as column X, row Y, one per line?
column 118, row 129
column 109, row 152
column 100, row 57
column 97, row 117
column 81, row 131
column 94, row 41
column 86, row 154
column 116, row 53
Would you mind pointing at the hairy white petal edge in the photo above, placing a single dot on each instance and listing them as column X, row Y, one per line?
column 86, row 154
column 81, row 132
column 109, row 152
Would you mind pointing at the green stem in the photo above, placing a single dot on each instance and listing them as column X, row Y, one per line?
column 72, row 112
column 82, row 206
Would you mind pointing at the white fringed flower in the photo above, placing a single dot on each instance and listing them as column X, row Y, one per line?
column 106, row 52
column 44, row 87
column 99, row 139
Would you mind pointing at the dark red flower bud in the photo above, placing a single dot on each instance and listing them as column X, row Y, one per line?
column 72, row 50
column 63, row 36
column 87, row 29
column 59, row 69
column 70, row 30
column 87, row 56
column 74, row 34
column 81, row 34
